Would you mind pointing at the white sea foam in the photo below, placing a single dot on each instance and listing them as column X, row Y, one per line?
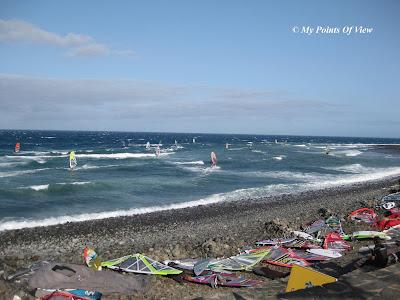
column 280, row 157
column 39, row 187
column 348, row 152
column 197, row 162
column 353, row 168
column 120, row 155
column 75, row 183
column 257, row 151
column 88, row 167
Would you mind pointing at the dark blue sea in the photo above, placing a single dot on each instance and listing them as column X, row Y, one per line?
column 116, row 175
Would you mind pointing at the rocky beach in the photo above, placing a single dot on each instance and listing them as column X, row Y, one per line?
column 203, row 231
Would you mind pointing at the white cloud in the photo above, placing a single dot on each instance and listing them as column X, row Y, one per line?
column 90, row 50
column 143, row 105
column 17, row 31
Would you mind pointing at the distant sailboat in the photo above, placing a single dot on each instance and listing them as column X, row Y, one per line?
column 213, row 159
column 148, row 145
column 226, row 146
column 194, row 141
column 17, row 147
column 72, row 160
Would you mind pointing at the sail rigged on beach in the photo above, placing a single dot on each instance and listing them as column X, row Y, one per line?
column 138, row 263
column 17, row 147
column 72, row 160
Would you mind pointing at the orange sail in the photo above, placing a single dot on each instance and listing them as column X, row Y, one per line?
column 17, row 147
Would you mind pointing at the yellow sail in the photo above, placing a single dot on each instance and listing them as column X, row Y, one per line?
column 72, row 160
column 301, row 278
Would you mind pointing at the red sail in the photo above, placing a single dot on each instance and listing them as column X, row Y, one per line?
column 17, row 147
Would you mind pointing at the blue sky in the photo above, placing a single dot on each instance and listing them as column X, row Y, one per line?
column 200, row 66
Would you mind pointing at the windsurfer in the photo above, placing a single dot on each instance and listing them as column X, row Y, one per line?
column 213, row 159
column 158, row 151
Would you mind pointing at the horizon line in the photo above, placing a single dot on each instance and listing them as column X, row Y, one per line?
column 210, row 133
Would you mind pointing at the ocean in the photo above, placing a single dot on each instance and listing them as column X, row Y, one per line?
column 117, row 176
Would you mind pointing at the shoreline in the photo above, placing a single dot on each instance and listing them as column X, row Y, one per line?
column 197, row 214
column 213, row 230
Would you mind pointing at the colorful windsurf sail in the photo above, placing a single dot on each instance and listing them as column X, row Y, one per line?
column 17, row 147
column 284, row 257
column 332, row 224
column 366, row 215
column 393, row 232
column 72, row 160
column 336, row 242
column 328, row 253
column 309, row 255
column 368, row 234
column 315, row 226
column 92, row 259
column 138, row 263
column 241, row 262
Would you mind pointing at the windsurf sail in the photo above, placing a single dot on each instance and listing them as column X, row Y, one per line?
column 283, row 257
column 139, row 263
column 17, row 147
column 315, row 226
column 359, row 235
column 366, row 215
column 226, row 146
column 158, row 151
column 194, row 141
column 333, row 224
column 213, row 158
column 239, row 262
column 92, row 259
column 335, row 241
column 148, row 145
column 72, row 160
column 176, row 142
column 302, row 278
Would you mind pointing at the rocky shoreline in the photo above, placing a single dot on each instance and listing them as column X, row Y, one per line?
column 203, row 231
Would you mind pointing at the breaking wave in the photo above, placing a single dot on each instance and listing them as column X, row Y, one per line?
column 39, row 187
column 197, row 162
column 120, row 155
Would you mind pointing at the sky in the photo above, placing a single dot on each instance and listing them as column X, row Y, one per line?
column 201, row 66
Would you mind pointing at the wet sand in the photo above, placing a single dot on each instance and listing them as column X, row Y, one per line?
column 203, row 231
